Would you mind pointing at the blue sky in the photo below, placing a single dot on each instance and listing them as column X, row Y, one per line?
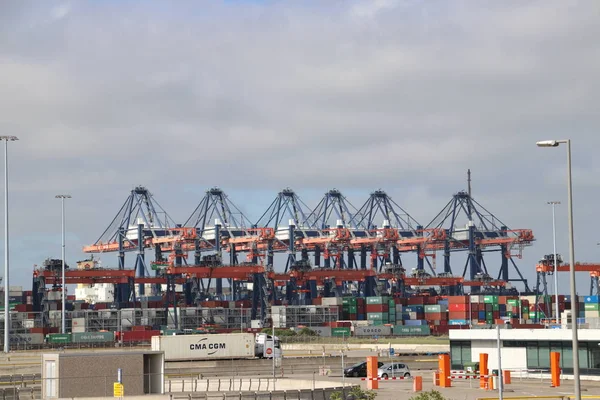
column 256, row 96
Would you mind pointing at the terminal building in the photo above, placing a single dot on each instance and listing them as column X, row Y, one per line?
column 526, row 350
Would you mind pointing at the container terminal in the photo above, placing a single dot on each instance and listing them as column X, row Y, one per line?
column 347, row 271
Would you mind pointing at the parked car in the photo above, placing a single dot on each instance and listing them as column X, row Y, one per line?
column 393, row 369
column 359, row 369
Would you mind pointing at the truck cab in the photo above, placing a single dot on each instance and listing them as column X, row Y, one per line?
column 267, row 346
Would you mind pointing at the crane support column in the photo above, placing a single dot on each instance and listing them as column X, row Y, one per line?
column 141, row 268
column 219, row 281
column 447, row 267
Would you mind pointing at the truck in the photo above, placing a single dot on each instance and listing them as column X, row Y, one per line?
column 217, row 346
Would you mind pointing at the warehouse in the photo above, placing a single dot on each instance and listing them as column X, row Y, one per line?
column 526, row 349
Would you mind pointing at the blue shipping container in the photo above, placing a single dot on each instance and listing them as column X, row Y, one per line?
column 591, row 299
column 415, row 322
column 458, row 322
column 481, row 315
column 418, row 309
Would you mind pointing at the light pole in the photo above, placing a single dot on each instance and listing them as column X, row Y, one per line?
column 575, row 339
column 554, row 203
column 62, row 198
column 6, row 283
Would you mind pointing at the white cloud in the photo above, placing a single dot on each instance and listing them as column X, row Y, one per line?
column 394, row 94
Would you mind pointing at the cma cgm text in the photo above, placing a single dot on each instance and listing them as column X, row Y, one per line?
column 210, row 346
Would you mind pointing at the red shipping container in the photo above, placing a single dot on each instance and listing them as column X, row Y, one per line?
column 377, row 308
column 496, row 314
column 458, row 307
column 141, row 328
column 317, row 301
column 458, row 300
column 415, row 301
column 458, row 315
column 473, row 307
column 139, row 336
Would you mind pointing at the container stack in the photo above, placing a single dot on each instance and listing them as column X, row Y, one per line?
column 378, row 310
column 591, row 307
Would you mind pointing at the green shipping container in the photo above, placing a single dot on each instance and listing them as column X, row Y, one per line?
column 377, row 316
column 340, row 332
column 59, row 338
column 496, row 307
column 93, row 337
column 511, row 302
column 353, row 309
column 347, row 301
column 376, row 323
column 418, row 330
column 489, row 315
column 377, row 300
column 435, row 308
column 490, row 299
column 591, row 306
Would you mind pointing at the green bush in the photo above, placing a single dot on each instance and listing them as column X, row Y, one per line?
column 307, row 332
column 431, row 395
column 355, row 393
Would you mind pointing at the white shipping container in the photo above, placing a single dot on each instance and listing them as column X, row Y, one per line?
column 29, row 323
column 331, row 301
column 78, row 329
column 26, row 338
column 205, row 347
column 78, row 322
column 476, row 299
column 373, row 331
column 324, row 331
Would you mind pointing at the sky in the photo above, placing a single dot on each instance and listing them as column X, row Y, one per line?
column 255, row 96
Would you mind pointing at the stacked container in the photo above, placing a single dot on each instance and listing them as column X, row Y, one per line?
column 591, row 307
column 378, row 310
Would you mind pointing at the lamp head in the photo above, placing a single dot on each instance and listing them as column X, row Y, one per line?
column 548, row 143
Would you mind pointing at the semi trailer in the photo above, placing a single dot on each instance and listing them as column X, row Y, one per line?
column 217, row 346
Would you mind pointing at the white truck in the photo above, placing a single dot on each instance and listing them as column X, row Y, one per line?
column 217, row 346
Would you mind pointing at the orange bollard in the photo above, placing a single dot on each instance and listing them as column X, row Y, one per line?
column 555, row 368
column 418, row 384
column 483, row 370
column 444, row 368
column 490, row 383
column 506, row 376
column 372, row 373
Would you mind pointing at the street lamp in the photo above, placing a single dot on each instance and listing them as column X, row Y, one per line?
column 6, row 285
column 62, row 198
column 575, row 340
column 554, row 203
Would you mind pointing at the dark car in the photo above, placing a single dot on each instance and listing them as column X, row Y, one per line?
column 359, row 369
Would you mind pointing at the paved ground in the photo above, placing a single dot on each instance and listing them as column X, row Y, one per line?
column 463, row 390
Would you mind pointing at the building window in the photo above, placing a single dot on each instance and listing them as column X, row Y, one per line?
column 460, row 353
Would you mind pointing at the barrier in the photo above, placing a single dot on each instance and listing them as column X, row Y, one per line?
column 397, row 378
column 417, row 384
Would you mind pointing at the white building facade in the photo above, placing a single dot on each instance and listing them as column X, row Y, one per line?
column 526, row 349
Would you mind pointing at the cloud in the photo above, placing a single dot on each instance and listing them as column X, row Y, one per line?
column 254, row 97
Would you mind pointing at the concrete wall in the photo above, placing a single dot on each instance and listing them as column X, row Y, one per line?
column 94, row 375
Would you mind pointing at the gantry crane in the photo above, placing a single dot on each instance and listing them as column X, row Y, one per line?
column 545, row 267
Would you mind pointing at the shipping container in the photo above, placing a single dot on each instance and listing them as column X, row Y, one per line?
column 422, row 330
column 26, row 338
column 372, row 331
column 205, row 347
column 377, row 300
column 324, row 331
column 59, row 338
column 93, row 337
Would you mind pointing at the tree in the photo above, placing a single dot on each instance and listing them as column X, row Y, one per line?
column 356, row 393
